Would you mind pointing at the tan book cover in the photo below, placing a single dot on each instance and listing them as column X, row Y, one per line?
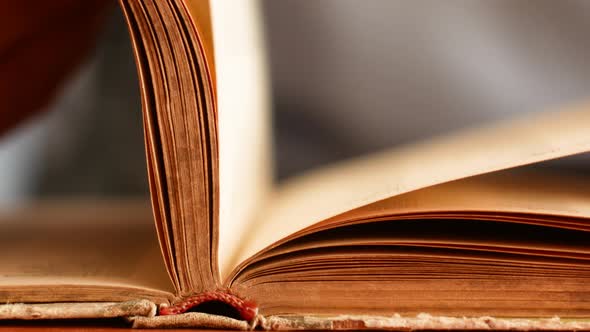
column 464, row 231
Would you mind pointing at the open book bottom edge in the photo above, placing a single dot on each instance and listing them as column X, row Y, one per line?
column 142, row 314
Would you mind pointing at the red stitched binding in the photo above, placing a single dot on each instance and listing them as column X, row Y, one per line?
column 247, row 309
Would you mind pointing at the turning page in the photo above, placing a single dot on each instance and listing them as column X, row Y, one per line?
column 245, row 172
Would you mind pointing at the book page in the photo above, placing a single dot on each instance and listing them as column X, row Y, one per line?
column 559, row 200
column 173, row 51
column 72, row 251
column 332, row 190
column 245, row 174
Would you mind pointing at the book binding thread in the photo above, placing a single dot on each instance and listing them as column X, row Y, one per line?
column 246, row 309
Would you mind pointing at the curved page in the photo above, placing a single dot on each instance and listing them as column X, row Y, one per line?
column 334, row 190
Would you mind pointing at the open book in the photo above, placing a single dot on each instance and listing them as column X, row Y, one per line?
column 462, row 231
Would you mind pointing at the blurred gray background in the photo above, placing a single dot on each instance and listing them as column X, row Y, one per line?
column 349, row 77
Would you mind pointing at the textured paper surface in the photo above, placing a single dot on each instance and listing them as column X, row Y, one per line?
column 141, row 314
column 346, row 322
column 77, row 310
column 420, row 322
column 190, row 319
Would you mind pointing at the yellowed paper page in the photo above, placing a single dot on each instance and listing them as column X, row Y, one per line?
column 348, row 185
column 81, row 250
column 244, row 134
column 509, row 193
